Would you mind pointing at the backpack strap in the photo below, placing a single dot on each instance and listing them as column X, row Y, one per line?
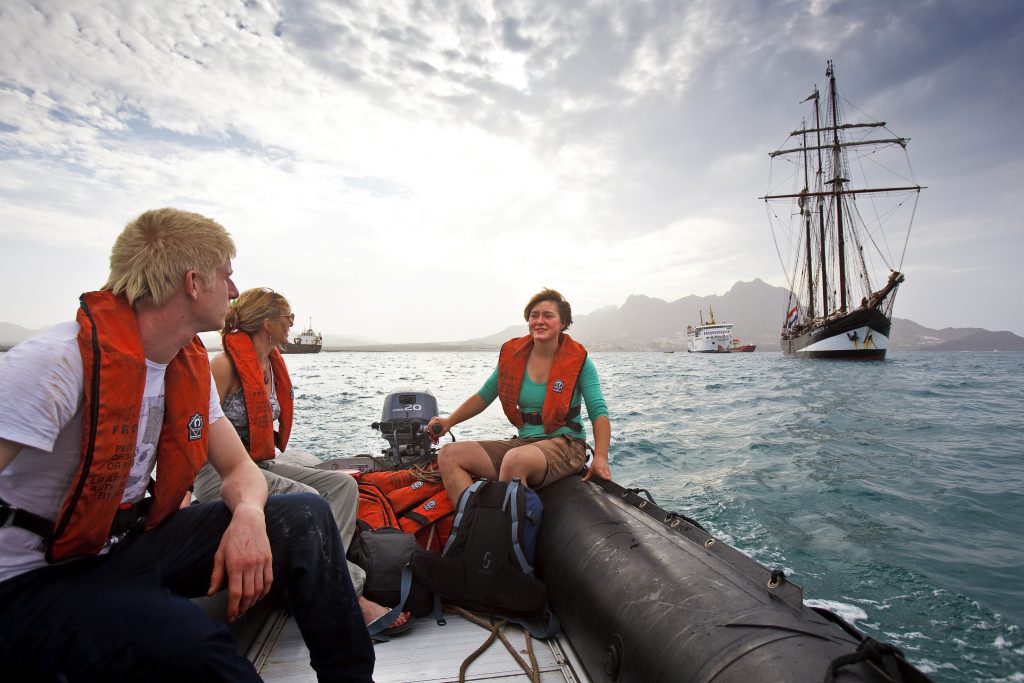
column 438, row 613
column 463, row 502
column 383, row 622
column 512, row 499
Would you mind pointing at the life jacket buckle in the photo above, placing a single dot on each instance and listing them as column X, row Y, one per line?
column 130, row 515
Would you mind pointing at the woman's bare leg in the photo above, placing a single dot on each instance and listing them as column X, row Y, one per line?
column 459, row 462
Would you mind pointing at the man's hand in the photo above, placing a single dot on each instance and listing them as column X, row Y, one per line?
column 244, row 560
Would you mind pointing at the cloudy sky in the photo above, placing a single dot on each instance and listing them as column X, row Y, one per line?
column 414, row 171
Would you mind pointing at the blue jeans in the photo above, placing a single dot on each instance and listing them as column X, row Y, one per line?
column 126, row 616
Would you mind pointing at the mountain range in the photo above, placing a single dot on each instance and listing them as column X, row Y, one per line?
column 644, row 323
column 755, row 309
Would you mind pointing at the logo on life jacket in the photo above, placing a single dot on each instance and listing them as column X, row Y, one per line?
column 558, row 386
column 415, row 485
column 195, row 427
column 430, row 505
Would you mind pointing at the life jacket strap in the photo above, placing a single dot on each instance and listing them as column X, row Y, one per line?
column 126, row 518
column 570, row 419
column 23, row 519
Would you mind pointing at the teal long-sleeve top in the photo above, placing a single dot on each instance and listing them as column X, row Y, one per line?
column 531, row 399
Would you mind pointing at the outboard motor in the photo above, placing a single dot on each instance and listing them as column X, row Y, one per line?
column 404, row 425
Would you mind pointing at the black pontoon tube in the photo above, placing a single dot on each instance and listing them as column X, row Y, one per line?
column 646, row 596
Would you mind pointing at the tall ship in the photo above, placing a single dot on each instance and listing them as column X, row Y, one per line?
column 709, row 337
column 845, row 232
column 309, row 341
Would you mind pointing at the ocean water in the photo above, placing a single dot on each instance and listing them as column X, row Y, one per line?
column 891, row 492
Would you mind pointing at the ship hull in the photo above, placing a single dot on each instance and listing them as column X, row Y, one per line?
column 716, row 340
column 860, row 335
column 288, row 347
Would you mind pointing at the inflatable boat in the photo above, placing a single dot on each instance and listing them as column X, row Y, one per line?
column 643, row 595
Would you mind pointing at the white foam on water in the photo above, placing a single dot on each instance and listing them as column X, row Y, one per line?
column 1012, row 678
column 930, row 667
column 850, row 613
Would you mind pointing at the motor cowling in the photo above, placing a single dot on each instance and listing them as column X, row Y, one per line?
column 403, row 424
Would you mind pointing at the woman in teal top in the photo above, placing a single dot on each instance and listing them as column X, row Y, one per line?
column 541, row 379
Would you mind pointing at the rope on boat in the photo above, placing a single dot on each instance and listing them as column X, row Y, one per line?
column 690, row 520
column 532, row 669
column 647, row 494
column 428, row 472
column 883, row 657
column 869, row 650
column 672, row 516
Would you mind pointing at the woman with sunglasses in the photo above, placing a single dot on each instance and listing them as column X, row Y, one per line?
column 255, row 392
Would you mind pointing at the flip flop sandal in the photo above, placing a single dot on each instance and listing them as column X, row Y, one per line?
column 382, row 634
column 395, row 630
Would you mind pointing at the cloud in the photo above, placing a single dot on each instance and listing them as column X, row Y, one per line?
column 472, row 152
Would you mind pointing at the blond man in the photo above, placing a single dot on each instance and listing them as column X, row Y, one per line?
column 96, row 560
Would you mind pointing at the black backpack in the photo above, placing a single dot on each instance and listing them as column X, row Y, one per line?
column 487, row 564
column 384, row 554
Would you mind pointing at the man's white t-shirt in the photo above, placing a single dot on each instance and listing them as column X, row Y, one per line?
column 41, row 404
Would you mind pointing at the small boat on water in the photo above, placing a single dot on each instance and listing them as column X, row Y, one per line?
column 739, row 347
column 847, row 231
column 643, row 595
column 309, row 341
column 709, row 337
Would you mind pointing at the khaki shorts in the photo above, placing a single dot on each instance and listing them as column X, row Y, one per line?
column 565, row 455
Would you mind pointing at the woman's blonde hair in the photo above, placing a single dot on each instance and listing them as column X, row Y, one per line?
column 152, row 254
column 548, row 294
column 252, row 307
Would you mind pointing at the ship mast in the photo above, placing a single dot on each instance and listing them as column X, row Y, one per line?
column 821, row 209
column 806, row 211
column 826, row 182
column 837, row 184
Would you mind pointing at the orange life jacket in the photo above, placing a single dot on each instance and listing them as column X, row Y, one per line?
column 400, row 500
column 114, row 367
column 375, row 508
column 565, row 371
column 262, row 437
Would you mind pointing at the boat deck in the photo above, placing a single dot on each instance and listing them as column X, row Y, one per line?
column 427, row 653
